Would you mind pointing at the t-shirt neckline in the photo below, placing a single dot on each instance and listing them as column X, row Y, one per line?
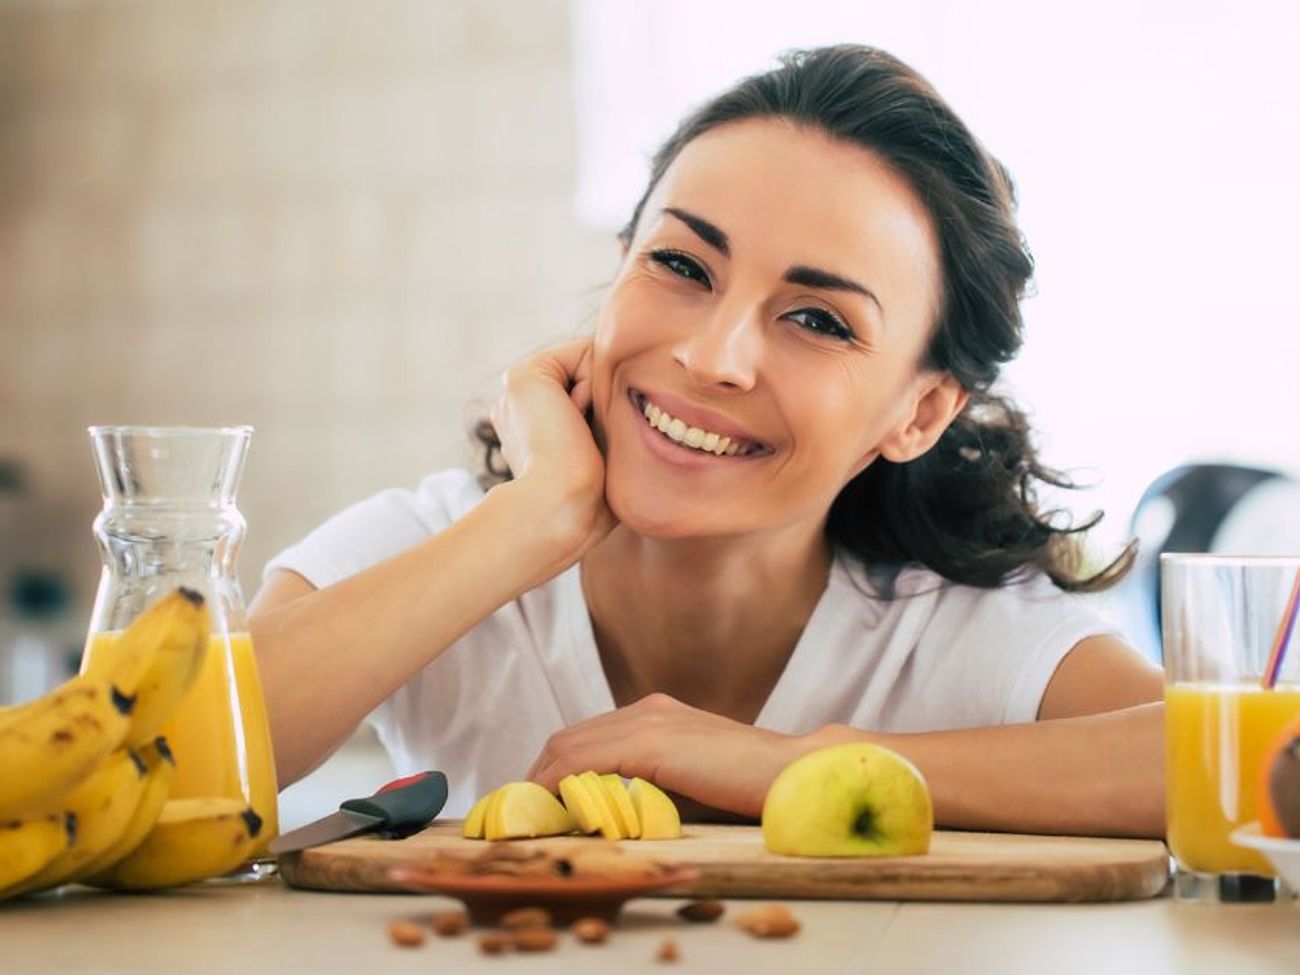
column 782, row 704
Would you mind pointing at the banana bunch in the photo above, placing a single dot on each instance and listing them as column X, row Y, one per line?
column 83, row 791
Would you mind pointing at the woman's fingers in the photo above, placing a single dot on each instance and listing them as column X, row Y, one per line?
column 628, row 740
column 550, row 448
column 499, row 415
column 565, row 361
column 540, row 413
column 630, row 752
column 716, row 761
column 581, row 391
column 581, row 395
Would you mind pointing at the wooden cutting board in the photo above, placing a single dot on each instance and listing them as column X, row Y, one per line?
column 732, row 862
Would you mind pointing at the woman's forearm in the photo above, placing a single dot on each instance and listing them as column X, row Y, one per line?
column 329, row 657
column 1102, row 774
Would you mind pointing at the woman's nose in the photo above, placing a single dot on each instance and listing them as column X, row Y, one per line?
column 724, row 350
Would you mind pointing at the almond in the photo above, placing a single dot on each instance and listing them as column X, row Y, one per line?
column 769, row 921
column 701, row 911
column 668, row 951
column 609, row 860
column 534, row 939
column 493, row 942
column 591, row 930
column 448, row 924
column 526, row 917
column 408, row 934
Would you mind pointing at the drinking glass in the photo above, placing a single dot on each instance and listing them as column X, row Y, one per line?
column 1223, row 621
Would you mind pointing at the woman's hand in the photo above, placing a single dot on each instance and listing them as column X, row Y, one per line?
column 713, row 760
column 545, row 438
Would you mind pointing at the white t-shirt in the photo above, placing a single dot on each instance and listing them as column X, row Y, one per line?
column 935, row 657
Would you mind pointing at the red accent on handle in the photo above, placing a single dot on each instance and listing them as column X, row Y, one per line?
column 398, row 783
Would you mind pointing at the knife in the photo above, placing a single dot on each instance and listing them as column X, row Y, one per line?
column 400, row 807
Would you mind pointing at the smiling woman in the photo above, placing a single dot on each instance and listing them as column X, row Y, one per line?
column 771, row 504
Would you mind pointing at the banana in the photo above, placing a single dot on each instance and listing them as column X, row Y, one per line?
column 175, row 668
column 160, row 767
column 191, row 839
column 157, row 658
column 103, row 805
column 10, row 711
column 56, row 741
column 27, row 845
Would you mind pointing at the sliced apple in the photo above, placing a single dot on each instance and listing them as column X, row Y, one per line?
column 629, row 824
column 655, row 812
column 520, row 810
column 581, row 803
column 490, row 813
column 473, row 828
column 608, row 821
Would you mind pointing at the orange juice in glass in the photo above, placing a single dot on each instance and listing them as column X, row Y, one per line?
column 169, row 519
column 1220, row 620
column 1214, row 745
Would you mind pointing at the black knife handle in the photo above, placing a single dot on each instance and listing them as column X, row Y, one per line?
column 412, row 801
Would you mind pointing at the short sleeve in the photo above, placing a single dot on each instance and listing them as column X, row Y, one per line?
column 370, row 532
column 378, row 528
column 988, row 655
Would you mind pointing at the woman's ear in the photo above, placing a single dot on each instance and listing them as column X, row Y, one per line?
column 939, row 398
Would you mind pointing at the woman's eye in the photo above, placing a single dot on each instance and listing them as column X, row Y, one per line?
column 681, row 265
column 822, row 322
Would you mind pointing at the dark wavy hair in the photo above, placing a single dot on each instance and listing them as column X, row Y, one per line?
column 968, row 508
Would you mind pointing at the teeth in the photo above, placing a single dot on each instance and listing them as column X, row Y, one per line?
column 695, row 437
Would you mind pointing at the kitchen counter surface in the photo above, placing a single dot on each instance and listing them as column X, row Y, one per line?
column 266, row 927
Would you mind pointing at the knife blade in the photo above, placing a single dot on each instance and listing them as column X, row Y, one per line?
column 402, row 805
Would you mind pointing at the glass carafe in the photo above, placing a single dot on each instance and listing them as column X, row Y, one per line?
column 169, row 519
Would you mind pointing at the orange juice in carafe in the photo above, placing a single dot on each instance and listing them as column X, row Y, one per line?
column 170, row 520
column 219, row 734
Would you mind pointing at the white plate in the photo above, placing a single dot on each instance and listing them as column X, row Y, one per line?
column 1282, row 853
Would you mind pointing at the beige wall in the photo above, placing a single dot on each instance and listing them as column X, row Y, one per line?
column 336, row 221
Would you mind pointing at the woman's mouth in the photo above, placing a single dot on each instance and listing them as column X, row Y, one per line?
column 694, row 437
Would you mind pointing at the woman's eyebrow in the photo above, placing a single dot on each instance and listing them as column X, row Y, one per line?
column 707, row 232
column 809, row 277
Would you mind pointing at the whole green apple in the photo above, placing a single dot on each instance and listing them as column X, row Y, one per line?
column 851, row 800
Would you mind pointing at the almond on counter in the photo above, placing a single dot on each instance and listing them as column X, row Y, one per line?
column 668, row 951
column 769, row 921
column 448, row 924
column 406, row 934
column 591, row 930
column 494, row 942
column 534, row 939
column 526, row 917
column 701, row 912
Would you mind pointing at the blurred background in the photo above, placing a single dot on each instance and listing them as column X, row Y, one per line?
column 339, row 221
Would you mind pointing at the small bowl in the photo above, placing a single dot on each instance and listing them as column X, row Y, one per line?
column 1284, row 854
column 488, row 896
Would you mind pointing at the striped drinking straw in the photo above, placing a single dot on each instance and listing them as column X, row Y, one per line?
column 1283, row 636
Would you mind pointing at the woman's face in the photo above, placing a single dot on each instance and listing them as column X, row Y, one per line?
column 770, row 312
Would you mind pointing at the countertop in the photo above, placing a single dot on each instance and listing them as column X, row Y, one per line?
column 267, row 927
